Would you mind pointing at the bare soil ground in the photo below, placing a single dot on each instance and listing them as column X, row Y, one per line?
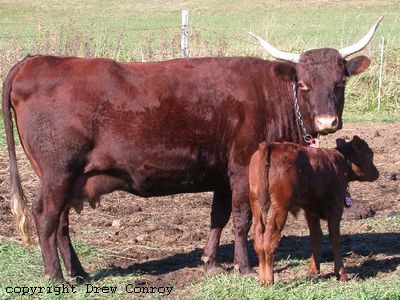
column 162, row 238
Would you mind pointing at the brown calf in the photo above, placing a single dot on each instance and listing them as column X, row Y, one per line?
column 286, row 177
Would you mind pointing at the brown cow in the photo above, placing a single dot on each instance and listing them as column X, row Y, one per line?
column 92, row 126
column 286, row 177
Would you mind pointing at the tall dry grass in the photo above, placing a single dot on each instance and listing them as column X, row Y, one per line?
column 70, row 40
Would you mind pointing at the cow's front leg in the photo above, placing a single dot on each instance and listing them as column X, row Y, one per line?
column 334, row 236
column 220, row 213
column 241, row 221
column 71, row 260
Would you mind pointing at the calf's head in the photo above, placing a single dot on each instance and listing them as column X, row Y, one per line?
column 319, row 77
column 360, row 157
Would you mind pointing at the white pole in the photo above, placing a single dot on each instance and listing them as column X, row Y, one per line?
column 185, row 34
column 380, row 76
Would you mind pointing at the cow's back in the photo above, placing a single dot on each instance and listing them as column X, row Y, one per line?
column 164, row 127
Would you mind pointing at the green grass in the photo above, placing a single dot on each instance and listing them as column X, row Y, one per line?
column 237, row 287
column 370, row 117
column 22, row 267
column 383, row 224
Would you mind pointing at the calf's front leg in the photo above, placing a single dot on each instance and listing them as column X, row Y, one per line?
column 334, row 236
column 316, row 235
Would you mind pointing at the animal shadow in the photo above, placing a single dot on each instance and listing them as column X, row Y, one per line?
column 356, row 247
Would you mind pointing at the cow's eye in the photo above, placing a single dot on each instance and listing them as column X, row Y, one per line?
column 303, row 86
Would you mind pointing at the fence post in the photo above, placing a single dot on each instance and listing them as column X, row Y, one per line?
column 185, row 34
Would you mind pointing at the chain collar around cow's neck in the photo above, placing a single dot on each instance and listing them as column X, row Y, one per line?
column 306, row 136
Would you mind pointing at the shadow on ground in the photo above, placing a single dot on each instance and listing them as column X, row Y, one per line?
column 358, row 250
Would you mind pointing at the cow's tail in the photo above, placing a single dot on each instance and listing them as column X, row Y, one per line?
column 265, row 197
column 19, row 206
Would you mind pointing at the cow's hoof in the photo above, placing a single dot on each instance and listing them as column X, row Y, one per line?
column 57, row 278
column 213, row 270
column 247, row 271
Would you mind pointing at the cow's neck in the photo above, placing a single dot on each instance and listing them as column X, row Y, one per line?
column 281, row 121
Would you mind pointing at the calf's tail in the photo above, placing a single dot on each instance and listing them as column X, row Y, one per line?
column 19, row 206
column 266, row 198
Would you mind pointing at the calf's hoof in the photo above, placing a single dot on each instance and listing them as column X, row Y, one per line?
column 342, row 277
column 266, row 283
column 313, row 274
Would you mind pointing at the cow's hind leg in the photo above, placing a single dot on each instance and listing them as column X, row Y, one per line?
column 220, row 213
column 47, row 210
column 241, row 221
column 71, row 260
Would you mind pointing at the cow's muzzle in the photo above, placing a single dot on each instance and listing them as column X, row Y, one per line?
column 327, row 123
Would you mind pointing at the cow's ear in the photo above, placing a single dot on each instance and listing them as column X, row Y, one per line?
column 285, row 71
column 357, row 65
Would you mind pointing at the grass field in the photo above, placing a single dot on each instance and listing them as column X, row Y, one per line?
column 233, row 286
column 124, row 30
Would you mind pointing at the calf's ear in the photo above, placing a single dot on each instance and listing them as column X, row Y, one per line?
column 285, row 71
column 356, row 143
column 340, row 143
column 357, row 65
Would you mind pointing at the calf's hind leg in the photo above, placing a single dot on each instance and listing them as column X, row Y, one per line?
column 275, row 221
column 71, row 260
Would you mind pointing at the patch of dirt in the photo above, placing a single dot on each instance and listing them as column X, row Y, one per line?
column 162, row 238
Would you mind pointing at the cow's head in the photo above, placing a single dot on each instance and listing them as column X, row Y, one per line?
column 319, row 76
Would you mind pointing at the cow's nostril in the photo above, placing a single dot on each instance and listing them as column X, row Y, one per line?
column 335, row 122
column 328, row 123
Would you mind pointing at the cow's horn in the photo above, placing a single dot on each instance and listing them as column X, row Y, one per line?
column 293, row 57
column 361, row 44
